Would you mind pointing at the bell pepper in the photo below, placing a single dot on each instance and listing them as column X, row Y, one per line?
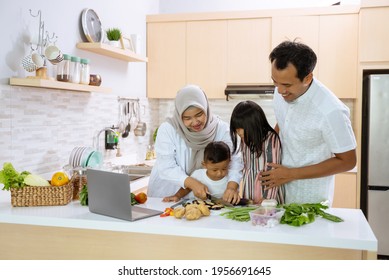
column 168, row 212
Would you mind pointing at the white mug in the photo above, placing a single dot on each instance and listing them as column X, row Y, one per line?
column 38, row 60
column 53, row 54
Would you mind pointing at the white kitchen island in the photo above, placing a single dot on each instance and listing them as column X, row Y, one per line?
column 72, row 232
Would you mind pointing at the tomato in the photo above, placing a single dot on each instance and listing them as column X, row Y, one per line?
column 59, row 179
column 141, row 197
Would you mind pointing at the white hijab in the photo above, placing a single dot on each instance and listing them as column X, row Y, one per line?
column 192, row 95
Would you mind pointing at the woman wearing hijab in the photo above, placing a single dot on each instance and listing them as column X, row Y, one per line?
column 180, row 148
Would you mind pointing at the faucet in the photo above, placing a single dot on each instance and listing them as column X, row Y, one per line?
column 96, row 142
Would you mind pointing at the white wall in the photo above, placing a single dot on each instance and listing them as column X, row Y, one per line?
column 188, row 6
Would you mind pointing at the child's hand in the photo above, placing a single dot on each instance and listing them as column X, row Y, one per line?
column 231, row 196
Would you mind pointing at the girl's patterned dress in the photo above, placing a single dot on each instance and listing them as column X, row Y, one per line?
column 252, row 185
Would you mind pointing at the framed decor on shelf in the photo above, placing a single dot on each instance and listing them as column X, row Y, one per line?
column 126, row 43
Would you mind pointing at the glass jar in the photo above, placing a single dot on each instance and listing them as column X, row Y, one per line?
column 79, row 180
column 85, row 73
column 150, row 154
column 63, row 69
column 75, row 72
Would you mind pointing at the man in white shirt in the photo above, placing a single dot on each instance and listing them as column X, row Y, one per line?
column 314, row 126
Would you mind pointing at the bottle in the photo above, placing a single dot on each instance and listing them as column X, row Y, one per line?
column 63, row 69
column 75, row 72
column 84, row 72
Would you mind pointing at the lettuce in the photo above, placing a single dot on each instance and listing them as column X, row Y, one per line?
column 11, row 178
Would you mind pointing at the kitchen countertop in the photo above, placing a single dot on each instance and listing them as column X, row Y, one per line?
column 354, row 233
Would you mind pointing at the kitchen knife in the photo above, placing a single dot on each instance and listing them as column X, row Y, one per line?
column 216, row 200
column 242, row 201
column 182, row 201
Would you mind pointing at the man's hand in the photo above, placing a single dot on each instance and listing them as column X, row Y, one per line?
column 275, row 177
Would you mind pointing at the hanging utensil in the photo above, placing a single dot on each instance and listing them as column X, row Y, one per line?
column 140, row 129
column 128, row 126
column 134, row 116
column 121, row 125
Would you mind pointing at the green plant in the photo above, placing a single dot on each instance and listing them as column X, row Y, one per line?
column 113, row 34
column 155, row 134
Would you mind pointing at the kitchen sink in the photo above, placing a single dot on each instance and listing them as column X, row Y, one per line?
column 135, row 172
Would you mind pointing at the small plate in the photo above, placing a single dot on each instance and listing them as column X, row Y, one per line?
column 91, row 26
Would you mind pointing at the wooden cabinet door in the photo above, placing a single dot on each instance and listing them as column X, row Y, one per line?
column 249, row 44
column 345, row 195
column 166, row 51
column 338, row 54
column 206, row 61
column 374, row 34
column 304, row 29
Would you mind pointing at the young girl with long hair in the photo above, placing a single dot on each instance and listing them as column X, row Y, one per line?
column 260, row 145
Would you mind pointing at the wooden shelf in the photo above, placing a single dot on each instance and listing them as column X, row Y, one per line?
column 111, row 51
column 45, row 83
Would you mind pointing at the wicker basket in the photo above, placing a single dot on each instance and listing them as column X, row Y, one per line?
column 42, row 196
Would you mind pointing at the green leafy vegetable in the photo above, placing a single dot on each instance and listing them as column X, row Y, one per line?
column 84, row 195
column 155, row 134
column 11, row 178
column 133, row 200
column 300, row 214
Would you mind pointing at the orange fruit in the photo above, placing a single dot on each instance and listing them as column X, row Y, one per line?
column 59, row 179
column 141, row 197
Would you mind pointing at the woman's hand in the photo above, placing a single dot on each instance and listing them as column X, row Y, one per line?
column 199, row 189
column 172, row 198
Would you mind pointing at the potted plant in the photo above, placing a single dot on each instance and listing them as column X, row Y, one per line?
column 113, row 36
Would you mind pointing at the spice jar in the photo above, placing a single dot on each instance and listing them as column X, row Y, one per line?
column 75, row 75
column 63, row 69
column 79, row 180
column 85, row 76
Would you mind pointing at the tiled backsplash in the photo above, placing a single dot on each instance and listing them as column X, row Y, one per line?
column 40, row 127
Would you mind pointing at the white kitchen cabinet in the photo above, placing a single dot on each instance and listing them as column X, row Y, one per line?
column 206, row 56
column 337, row 54
column 249, row 46
column 345, row 195
column 374, row 34
column 166, row 50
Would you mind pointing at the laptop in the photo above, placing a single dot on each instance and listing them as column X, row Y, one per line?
column 109, row 194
